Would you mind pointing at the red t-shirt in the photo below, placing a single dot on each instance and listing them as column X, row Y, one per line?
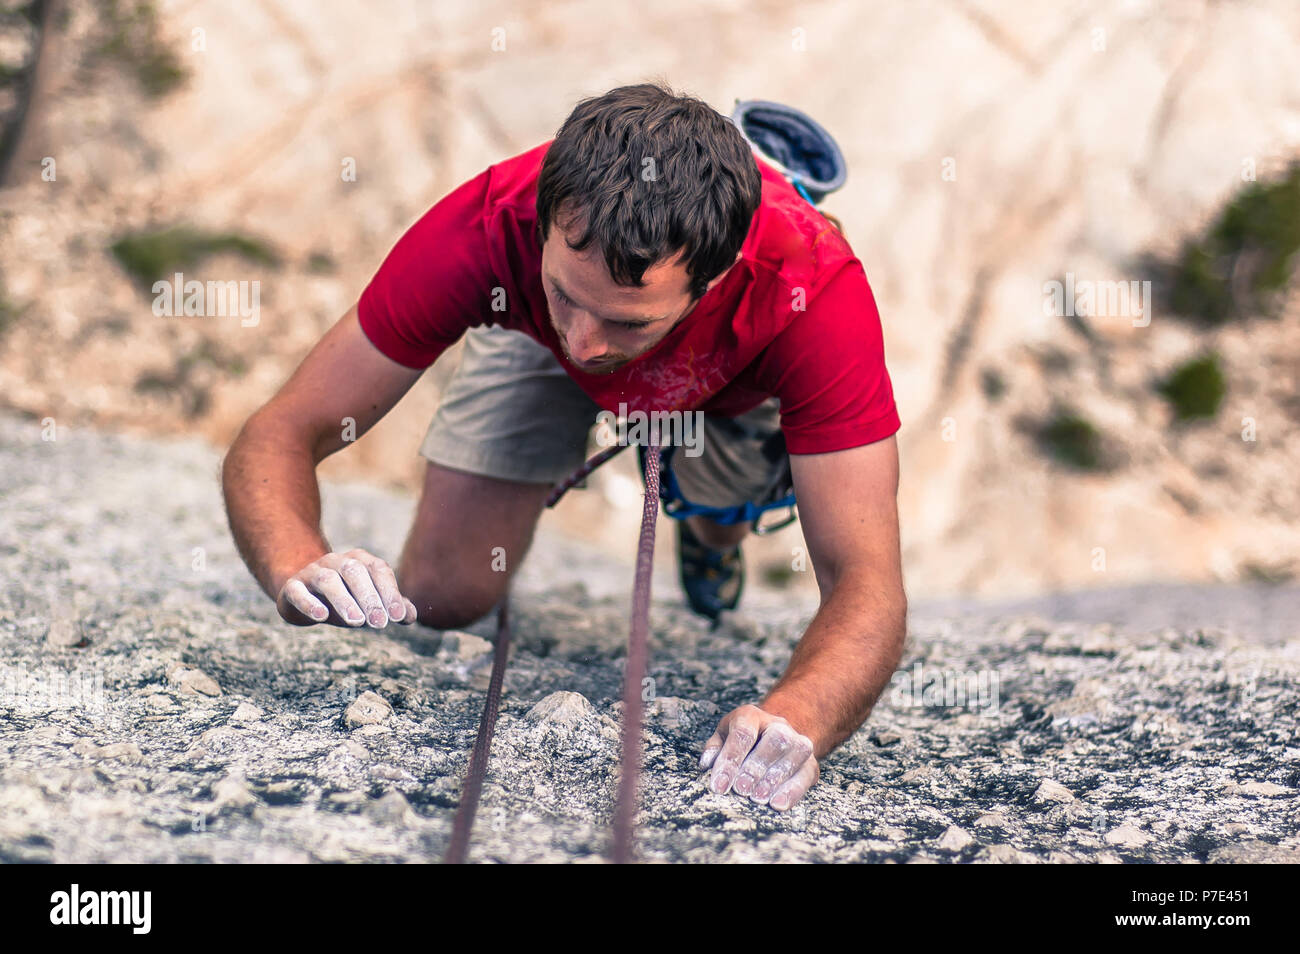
column 744, row 341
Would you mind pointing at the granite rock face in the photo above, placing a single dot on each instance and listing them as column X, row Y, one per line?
column 190, row 724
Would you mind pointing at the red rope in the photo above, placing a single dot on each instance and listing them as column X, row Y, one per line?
column 581, row 473
column 638, row 639
column 478, row 759
column 637, row 652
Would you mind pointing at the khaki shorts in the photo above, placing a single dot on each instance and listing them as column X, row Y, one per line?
column 511, row 411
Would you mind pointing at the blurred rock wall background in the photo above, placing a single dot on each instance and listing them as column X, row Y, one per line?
column 1049, row 441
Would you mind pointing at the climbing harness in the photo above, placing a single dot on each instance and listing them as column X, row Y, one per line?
column 811, row 160
column 779, row 494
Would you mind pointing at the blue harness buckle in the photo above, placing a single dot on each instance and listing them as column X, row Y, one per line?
column 679, row 508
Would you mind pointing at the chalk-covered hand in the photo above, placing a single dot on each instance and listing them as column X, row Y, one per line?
column 354, row 588
column 760, row 755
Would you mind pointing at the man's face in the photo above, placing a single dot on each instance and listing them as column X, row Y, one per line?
column 602, row 326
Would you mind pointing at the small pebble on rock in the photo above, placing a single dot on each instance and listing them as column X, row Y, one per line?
column 1053, row 791
column 368, row 708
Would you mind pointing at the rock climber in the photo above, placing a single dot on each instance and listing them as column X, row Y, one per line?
column 647, row 258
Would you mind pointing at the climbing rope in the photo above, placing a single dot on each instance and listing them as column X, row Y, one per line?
column 637, row 642
column 637, row 652
column 478, row 758
column 581, row 473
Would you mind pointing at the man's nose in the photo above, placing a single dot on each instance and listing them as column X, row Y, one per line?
column 585, row 341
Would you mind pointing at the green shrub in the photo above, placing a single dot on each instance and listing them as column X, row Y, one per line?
column 777, row 574
column 129, row 37
column 1195, row 389
column 319, row 263
column 1273, row 574
column 1070, row 439
column 992, row 384
column 1244, row 258
column 150, row 256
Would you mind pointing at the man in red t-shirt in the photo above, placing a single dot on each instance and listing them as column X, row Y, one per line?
column 642, row 266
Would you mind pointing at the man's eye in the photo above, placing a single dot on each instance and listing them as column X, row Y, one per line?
column 630, row 325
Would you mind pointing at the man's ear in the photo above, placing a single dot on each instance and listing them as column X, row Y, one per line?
column 724, row 274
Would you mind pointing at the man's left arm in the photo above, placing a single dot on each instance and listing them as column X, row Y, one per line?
column 845, row 659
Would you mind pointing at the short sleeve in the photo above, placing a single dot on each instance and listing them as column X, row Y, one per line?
column 828, row 370
column 435, row 283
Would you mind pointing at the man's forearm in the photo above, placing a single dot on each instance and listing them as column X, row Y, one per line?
column 273, row 505
column 843, row 663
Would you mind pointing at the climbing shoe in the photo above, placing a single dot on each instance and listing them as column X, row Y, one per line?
column 711, row 578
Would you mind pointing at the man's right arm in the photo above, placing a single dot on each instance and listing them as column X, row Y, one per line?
column 269, row 474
